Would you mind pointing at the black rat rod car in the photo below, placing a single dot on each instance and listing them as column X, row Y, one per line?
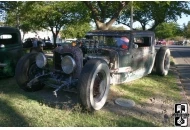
column 10, row 50
column 89, row 67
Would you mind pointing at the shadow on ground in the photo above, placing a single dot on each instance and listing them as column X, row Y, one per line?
column 14, row 118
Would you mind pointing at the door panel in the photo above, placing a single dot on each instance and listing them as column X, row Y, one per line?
column 143, row 55
column 9, row 55
column 12, row 52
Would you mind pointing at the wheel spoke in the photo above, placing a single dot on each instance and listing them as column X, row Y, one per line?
column 99, row 86
column 33, row 71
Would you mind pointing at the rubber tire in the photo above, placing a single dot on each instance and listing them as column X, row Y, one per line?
column 85, row 85
column 21, row 72
column 162, row 68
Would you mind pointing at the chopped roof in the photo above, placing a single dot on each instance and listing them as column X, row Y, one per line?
column 9, row 30
column 116, row 32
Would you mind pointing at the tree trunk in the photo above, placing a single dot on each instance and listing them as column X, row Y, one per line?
column 99, row 15
column 55, row 34
column 143, row 26
column 101, row 26
column 104, row 26
column 54, row 39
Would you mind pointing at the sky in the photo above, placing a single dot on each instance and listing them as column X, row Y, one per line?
column 185, row 19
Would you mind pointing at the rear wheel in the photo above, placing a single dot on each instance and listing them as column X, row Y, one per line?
column 163, row 61
column 26, row 70
column 94, row 84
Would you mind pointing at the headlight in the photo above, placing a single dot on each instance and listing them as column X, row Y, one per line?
column 41, row 60
column 68, row 64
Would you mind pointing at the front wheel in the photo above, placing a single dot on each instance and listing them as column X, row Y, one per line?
column 94, row 84
column 26, row 70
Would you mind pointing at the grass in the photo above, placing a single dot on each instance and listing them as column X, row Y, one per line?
column 151, row 86
column 19, row 108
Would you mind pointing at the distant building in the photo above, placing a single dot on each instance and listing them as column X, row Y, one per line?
column 42, row 34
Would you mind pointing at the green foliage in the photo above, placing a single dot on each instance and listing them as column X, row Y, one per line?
column 104, row 9
column 54, row 15
column 51, row 15
column 1, row 24
column 156, row 11
column 178, row 38
column 187, row 30
column 167, row 30
column 17, row 15
column 75, row 30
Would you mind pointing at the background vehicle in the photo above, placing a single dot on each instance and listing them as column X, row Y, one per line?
column 10, row 50
column 28, row 43
column 183, row 43
column 161, row 42
column 89, row 67
column 48, row 45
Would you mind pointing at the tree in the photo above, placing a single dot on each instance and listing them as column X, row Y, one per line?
column 53, row 16
column 101, row 11
column 156, row 12
column 167, row 30
column 14, row 10
column 50, row 15
column 17, row 13
column 187, row 30
column 75, row 30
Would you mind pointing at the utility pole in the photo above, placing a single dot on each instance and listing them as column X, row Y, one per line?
column 131, row 20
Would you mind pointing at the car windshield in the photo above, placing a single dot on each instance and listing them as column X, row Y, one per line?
column 112, row 40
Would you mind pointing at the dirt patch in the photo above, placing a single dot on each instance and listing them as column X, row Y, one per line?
column 156, row 110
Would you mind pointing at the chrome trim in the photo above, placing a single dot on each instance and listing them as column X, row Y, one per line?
column 3, row 65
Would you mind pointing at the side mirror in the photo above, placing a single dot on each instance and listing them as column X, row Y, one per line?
column 2, row 46
column 135, row 46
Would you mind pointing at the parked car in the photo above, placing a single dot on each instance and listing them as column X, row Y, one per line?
column 161, row 42
column 89, row 67
column 28, row 43
column 48, row 45
column 183, row 42
column 10, row 50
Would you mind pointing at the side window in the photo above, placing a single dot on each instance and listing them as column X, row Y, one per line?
column 8, row 38
column 110, row 41
column 142, row 41
column 5, row 36
column 101, row 39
